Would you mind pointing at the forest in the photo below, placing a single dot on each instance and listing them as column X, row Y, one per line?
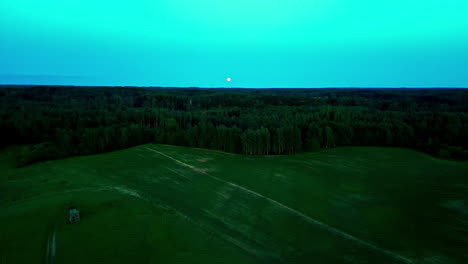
column 53, row 122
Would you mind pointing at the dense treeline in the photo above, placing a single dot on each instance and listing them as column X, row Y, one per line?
column 63, row 121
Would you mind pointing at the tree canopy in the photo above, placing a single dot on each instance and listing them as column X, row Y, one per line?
column 56, row 121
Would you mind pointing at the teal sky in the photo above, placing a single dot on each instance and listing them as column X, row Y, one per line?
column 258, row 43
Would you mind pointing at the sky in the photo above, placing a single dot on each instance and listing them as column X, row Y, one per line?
column 256, row 43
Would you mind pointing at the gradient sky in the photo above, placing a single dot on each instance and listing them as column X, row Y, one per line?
column 258, row 43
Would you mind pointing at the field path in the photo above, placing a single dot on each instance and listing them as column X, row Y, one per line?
column 397, row 257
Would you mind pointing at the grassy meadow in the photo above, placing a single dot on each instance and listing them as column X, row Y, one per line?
column 168, row 204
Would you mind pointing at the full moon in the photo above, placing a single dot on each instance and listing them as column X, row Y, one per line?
column 228, row 79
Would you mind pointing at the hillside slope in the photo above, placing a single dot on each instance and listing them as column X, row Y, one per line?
column 168, row 204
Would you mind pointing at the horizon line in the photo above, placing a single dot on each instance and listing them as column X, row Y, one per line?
column 197, row 87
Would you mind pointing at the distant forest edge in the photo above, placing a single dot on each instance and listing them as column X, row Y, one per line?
column 56, row 122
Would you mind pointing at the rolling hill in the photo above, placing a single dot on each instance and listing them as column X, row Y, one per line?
column 168, row 204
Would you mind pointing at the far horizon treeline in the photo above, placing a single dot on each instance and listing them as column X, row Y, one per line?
column 57, row 122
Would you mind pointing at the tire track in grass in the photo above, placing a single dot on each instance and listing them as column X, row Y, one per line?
column 270, row 257
column 121, row 189
column 333, row 230
column 51, row 248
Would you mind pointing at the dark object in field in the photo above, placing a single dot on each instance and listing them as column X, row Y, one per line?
column 74, row 215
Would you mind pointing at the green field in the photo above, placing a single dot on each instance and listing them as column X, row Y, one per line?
column 168, row 204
